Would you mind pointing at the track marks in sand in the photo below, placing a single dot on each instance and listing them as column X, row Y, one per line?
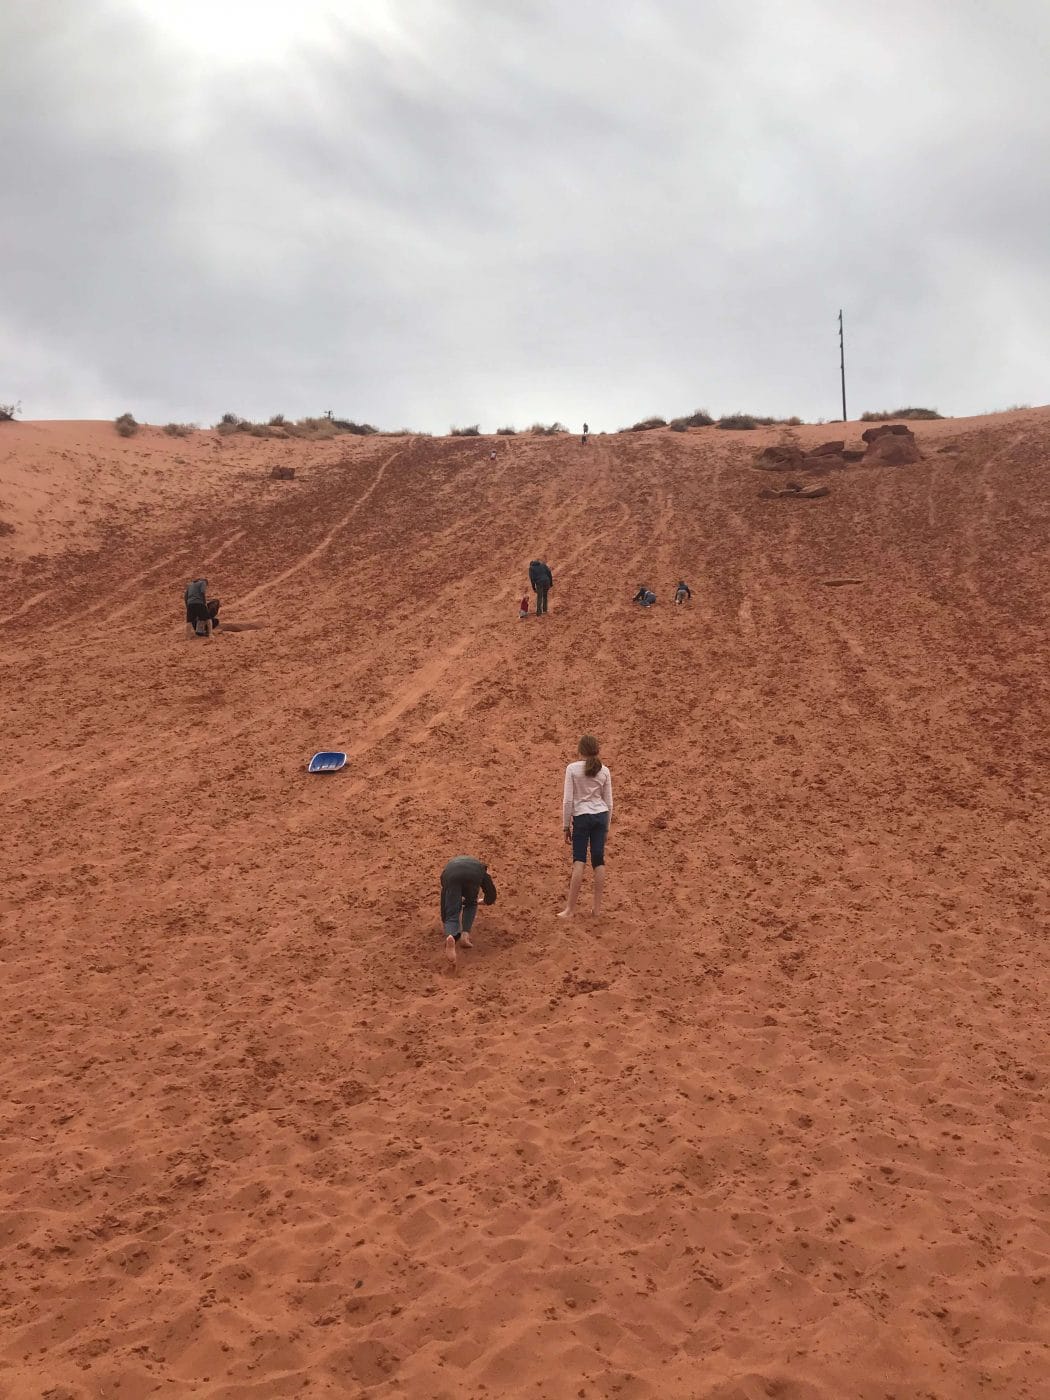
column 305, row 560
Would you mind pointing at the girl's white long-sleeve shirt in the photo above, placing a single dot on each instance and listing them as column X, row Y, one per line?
column 583, row 794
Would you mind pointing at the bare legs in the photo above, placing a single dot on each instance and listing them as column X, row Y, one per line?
column 576, row 881
column 599, row 887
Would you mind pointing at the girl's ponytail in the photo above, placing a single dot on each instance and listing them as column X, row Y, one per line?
column 589, row 751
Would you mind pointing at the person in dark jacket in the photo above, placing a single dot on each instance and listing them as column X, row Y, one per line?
column 682, row 592
column 197, row 611
column 461, row 881
column 645, row 596
column 542, row 581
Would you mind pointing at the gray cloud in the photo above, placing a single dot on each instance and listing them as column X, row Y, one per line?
column 446, row 212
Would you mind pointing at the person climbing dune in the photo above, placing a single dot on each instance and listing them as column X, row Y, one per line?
column 199, row 619
column 587, row 806
column 462, row 879
column 542, row 581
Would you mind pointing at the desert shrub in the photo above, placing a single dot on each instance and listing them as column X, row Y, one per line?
column 698, row 419
column 231, row 423
column 277, row 421
column 126, row 425
column 884, row 416
column 8, row 411
column 507, row 432
column 347, row 425
column 179, row 429
column 472, row 431
column 315, row 428
column 259, row 430
column 646, row 423
column 548, row 429
column 738, row 420
column 791, row 422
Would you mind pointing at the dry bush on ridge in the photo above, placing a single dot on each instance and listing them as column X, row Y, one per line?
column 749, row 420
column 126, row 425
column 180, row 429
column 8, row 411
column 646, row 423
column 507, row 432
column 919, row 414
column 700, row 418
column 347, row 425
column 472, row 431
column 548, row 429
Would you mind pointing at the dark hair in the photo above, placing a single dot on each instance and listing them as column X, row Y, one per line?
column 589, row 750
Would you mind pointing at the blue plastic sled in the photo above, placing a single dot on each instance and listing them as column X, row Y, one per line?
column 327, row 761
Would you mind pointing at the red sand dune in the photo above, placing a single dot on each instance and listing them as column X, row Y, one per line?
column 776, row 1126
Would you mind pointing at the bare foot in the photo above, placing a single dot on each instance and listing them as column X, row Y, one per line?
column 450, row 949
column 464, row 941
column 565, row 914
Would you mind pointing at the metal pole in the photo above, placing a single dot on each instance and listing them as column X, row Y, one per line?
column 842, row 365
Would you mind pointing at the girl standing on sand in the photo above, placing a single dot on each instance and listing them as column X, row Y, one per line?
column 587, row 804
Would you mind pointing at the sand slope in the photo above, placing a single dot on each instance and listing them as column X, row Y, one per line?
column 777, row 1126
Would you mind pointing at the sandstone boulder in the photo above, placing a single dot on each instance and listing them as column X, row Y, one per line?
column 893, row 450
column 824, row 463
column 779, row 457
column 885, row 429
column 827, row 449
column 283, row 473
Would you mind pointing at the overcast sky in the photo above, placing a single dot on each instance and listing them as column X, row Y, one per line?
column 427, row 212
